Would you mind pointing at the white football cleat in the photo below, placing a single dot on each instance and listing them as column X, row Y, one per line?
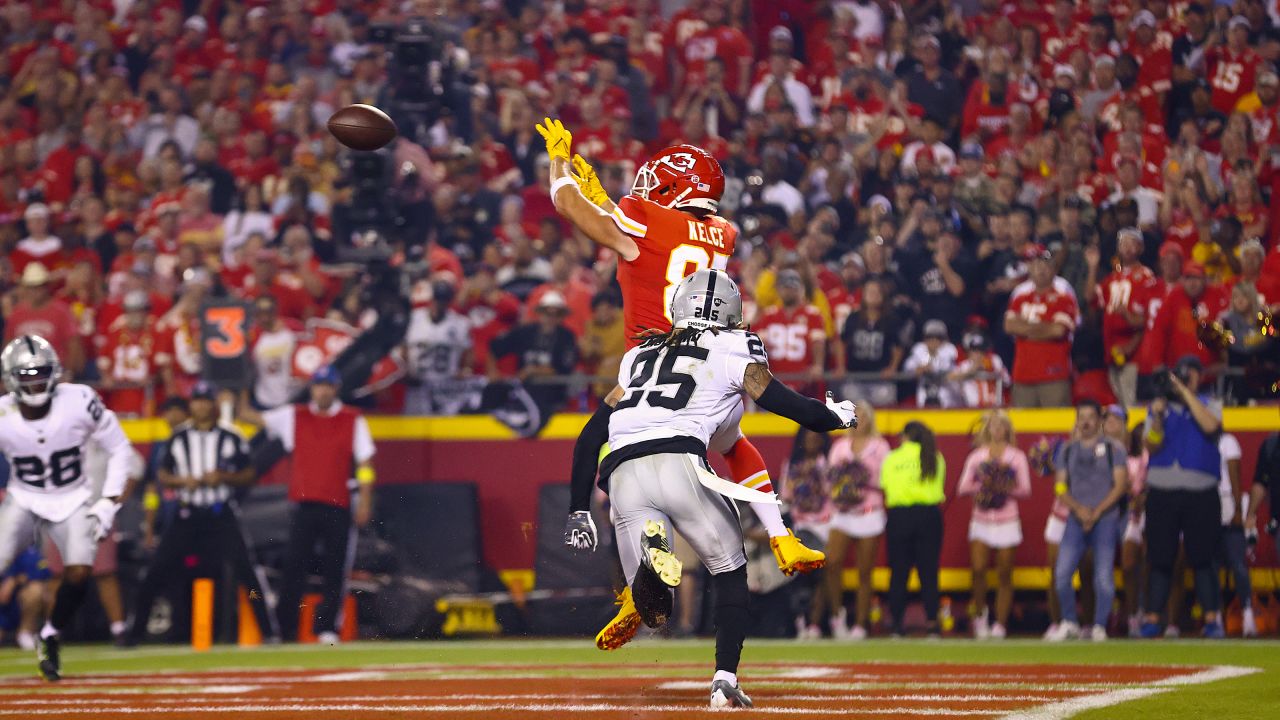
column 724, row 695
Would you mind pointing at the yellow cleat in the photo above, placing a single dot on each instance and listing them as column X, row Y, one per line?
column 793, row 556
column 658, row 553
column 622, row 627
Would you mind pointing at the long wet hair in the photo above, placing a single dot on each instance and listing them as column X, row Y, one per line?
column 678, row 336
column 918, row 432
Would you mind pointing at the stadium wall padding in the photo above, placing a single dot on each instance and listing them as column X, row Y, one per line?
column 510, row 472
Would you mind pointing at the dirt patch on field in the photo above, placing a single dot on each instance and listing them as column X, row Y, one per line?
column 596, row 692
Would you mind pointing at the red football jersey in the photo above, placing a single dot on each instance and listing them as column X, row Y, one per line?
column 673, row 244
column 1149, row 351
column 788, row 336
column 1126, row 288
column 1177, row 327
column 1230, row 76
column 128, row 358
column 1040, row 361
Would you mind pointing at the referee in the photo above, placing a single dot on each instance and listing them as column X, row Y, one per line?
column 203, row 464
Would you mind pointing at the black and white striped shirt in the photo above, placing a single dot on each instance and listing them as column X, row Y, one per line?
column 193, row 453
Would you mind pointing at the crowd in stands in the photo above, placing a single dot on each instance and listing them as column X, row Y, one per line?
column 954, row 204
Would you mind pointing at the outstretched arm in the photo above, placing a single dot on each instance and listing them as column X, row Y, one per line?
column 587, row 216
column 779, row 399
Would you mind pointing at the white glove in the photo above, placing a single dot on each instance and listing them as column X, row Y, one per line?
column 843, row 410
column 103, row 512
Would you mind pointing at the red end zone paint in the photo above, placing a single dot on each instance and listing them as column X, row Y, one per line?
column 874, row 690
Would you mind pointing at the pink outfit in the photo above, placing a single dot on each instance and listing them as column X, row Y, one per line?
column 872, row 457
column 816, row 507
column 1012, row 457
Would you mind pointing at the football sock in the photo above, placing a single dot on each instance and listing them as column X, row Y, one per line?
column 118, row 627
column 747, row 468
column 731, row 617
column 770, row 515
column 65, row 604
column 47, row 631
column 727, row 676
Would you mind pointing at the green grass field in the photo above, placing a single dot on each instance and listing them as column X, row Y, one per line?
column 1252, row 696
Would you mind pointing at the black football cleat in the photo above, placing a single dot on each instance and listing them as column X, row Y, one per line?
column 50, row 662
column 658, row 574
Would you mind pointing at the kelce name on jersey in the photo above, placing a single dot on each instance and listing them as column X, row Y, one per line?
column 712, row 236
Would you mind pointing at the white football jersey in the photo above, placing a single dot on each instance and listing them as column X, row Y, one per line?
column 686, row 390
column 273, row 383
column 436, row 348
column 47, row 470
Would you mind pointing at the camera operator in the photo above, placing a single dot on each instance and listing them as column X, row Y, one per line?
column 1181, row 436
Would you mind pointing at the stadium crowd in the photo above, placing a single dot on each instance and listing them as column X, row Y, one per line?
column 927, row 193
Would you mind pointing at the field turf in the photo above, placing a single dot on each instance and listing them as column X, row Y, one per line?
column 654, row 678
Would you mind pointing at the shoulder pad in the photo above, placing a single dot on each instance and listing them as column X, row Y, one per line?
column 739, row 342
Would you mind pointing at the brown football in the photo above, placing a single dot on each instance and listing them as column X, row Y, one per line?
column 362, row 127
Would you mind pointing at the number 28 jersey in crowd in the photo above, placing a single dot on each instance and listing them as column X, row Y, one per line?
column 673, row 245
column 46, row 456
column 683, row 391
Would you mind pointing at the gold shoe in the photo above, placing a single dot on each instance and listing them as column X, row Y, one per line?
column 793, row 557
column 622, row 627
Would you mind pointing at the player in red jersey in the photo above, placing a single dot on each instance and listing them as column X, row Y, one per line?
column 664, row 230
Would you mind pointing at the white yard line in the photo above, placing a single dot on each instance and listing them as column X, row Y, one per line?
column 684, row 710
column 1068, row 708
column 573, row 697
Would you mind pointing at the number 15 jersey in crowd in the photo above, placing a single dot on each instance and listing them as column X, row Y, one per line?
column 673, row 244
column 46, row 456
column 683, row 391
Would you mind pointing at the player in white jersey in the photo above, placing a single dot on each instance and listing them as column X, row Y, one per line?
column 44, row 428
column 438, row 345
column 675, row 392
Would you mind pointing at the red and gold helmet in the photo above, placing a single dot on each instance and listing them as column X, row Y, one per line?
column 681, row 176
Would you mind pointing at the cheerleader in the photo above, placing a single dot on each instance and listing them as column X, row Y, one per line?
column 806, row 489
column 858, row 518
column 995, row 473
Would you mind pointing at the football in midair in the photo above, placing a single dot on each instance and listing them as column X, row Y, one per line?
column 362, row 127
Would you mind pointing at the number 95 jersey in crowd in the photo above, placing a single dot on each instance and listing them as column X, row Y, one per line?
column 686, row 390
column 46, row 456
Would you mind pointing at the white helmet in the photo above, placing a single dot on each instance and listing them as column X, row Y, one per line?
column 706, row 299
column 31, row 369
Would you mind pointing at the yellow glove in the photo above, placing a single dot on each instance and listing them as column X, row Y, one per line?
column 588, row 183
column 559, row 140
